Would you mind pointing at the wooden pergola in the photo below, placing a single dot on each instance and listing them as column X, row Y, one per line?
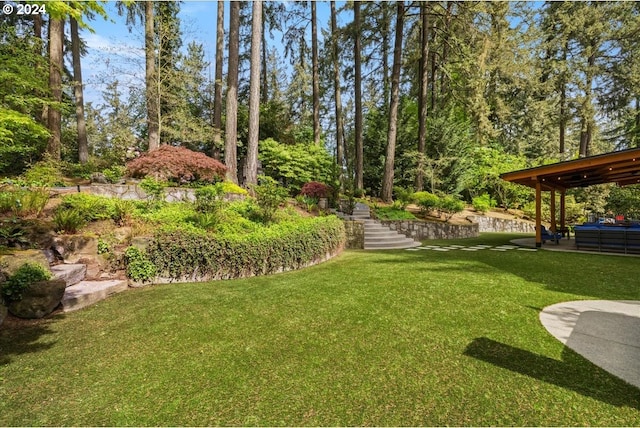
column 621, row 167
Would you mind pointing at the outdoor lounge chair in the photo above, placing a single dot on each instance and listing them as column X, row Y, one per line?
column 549, row 236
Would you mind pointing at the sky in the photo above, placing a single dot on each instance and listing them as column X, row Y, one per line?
column 114, row 51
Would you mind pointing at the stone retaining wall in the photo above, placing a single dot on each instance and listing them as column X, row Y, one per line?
column 493, row 224
column 354, row 229
column 134, row 192
column 421, row 230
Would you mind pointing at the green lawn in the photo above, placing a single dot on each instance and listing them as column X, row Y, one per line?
column 369, row 338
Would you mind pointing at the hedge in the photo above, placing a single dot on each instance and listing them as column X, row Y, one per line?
column 192, row 255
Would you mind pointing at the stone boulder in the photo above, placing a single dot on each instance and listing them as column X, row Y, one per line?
column 39, row 299
column 10, row 262
column 72, row 248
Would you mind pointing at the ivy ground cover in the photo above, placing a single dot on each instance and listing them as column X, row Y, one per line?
column 369, row 338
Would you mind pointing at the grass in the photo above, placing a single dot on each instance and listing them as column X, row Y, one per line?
column 370, row 338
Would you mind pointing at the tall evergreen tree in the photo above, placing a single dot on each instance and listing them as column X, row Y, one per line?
column 254, row 97
column 231, row 136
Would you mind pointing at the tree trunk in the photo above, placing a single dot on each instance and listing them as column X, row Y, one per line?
column 315, row 75
column 37, row 32
column 338, row 98
column 217, row 96
column 422, row 100
column 254, row 96
column 586, row 122
column 153, row 107
column 83, row 145
column 359, row 158
column 389, row 162
column 231, row 134
column 563, row 101
column 56, row 39
column 264, row 92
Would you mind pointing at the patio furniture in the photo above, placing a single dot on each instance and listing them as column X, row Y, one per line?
column 549, row 236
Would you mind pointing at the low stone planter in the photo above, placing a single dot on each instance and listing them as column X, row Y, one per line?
column 39, row 299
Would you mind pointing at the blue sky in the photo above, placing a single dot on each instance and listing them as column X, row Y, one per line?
column 113, row 51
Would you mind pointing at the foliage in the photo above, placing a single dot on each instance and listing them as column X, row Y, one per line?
column 44, row 174
column 23, row 202
column 230, row 187
column 209, row 198
column 483, row 203
column 282, row 246
column 138, row 267
column 426, row 201
column 90, row 207
column 177, row 164
column 23, row 277
column 450, row 205
column 574, row 211
column 103, row 246
column 307, row 202
column 295, row 165
column 315, row 190
column 154, row 189
column 115, row 173
column 12, row 234
column 122, row 212
column 269, row 196
column 403, row 196
column 624, row 200
column 392, row 213
column 68, row 220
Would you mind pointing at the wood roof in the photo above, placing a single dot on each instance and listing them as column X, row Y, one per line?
column 622, row 167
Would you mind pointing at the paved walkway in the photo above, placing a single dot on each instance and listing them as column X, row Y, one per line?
column 445, row 248
column 605, row 332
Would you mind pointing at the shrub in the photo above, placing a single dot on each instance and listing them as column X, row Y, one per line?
column 29, row 201
column 315, row 189
column 68, row 220
column 91, row 207
column 122, row 212
column 115, row 173
column 209, row 198
column 154, row 190
column 392, row 213
column 44, row 173
column 483, row 203
column 426, row 201
column 177, row 164
column 403, row 196
column 282, row 246
column 138, row 267
column 269, row 196
column 450, row 205
column 26, row 275
column 230, row 187
column 12, row 234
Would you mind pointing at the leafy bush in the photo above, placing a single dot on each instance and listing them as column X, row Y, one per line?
column 307, row 202
column 114, row 173
column 426, row 201
column 177, row 164
column 139, row 267
column 393, row 213
column 91, row 207
column 29, row 201
column 282, row 246
column 209, row 198
column 624, row 200
column 230, row 187
column 483, row 203
column 269, row 196
column 26, row 275
column 154, row 190
column 450, row 205
column 403, row 196
column 44, row 173
column 122, row 212
column 12, row 234
column 68, row 220
column 315, row 189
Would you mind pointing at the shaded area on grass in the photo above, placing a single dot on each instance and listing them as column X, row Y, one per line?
column 566, row 373
column 19, row 337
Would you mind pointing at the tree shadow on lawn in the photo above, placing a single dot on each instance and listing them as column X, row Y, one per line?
column 568, row 373
column 19, row 337
column 598, row 276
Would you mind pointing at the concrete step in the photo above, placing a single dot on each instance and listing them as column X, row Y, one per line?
column 407, row 243
column 388, row 240
column 86, row 293
column 71, row 273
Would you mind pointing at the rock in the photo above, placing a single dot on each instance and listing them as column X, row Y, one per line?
column 69, row 273
column 72, row 248
column 10, row 262
column 39, row 299
column 98, row 177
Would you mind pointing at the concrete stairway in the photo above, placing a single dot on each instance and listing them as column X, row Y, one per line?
column 377, row 236
column 81, row 293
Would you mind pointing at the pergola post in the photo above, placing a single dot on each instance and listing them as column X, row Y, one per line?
column 562, row 210
column 554, row 227
column 538, row 214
